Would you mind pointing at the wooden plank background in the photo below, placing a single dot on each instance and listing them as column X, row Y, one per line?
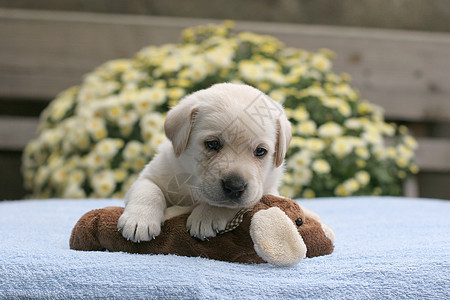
column 399, row 14
column 44, row 52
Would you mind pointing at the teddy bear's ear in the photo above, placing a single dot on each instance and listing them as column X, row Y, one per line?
column 276, row 238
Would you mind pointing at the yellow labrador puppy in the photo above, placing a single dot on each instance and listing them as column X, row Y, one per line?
column 225, row 149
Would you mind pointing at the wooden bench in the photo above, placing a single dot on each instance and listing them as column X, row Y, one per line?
column 44, row 52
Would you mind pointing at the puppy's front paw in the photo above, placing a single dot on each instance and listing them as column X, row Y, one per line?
column 206, row 221
column 139, row 225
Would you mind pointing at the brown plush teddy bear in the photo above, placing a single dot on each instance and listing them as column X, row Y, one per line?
column 276, row 231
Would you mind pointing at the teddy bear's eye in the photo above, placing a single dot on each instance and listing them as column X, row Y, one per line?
column 299, row 222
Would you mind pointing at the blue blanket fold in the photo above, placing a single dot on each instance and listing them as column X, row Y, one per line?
column 386, row 247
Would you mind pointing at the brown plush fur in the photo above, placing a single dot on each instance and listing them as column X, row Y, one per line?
column 97, row 231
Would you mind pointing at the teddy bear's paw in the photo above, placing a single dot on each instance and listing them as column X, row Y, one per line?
column 206, row 221
column 139, row 225
column 329, row 233
column 276, row 239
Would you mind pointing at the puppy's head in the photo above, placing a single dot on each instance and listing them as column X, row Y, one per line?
column 231, row 138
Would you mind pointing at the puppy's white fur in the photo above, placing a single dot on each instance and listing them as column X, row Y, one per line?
column 186, row 172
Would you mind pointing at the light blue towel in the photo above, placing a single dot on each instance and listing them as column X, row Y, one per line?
column 385, row 248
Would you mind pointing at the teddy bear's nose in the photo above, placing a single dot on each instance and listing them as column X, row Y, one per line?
column 299, row 222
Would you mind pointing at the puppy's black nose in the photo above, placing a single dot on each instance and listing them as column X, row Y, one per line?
column 234, row 186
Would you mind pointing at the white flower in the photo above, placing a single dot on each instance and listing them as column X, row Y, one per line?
column 118, row 65
column 108, row 147
column 391, row 152
column 300, row 114
column 220, row 56
column 176, row 93
column 96, row 128
column 320, row 62
column 127, row 184
column 309, row 193
column 51, row 137
column 314, row 91
column 343, row 89
column 402, row 162
column 114, row 112
column 351, row 185
column 250, row 71
column 410, row 142
column 198, row 69
column 59, row 108
column 287, row 191
column 342, row 191
column 133, row 75
column 313, row 74
column 307, row 127
column 120, row 175
column 151, row 124
column 321, row 166
column 344, row 109
column 303, row 176
column 276, row 77
column 362, row 152
column 156, row 140
column 372, row 137
column 197, row 73
column 76, row 177
column 77, row 136
column 74, row 190
column 103, row 183
column 269, row 65
column 330, row 129
column 300, row 160
column 132, row 150
column 339, row 104
column 59, row 175
column 297, row 142
column 94, row 161
column 362, row 177
column 388, row 129
column 315, row 144
column 171, row 64
column 154, row 95
column 341, row 147
column 277, row 95
column 379, row 152
column 42, row 175
column 77, row 154
column 353, row 123
column 129, row 118
column 138, row 163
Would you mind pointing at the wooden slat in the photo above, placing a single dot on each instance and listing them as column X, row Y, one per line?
column 407, row 73
column 16, row 132
column 44, row 52
column 433, row 154
column 407, row 14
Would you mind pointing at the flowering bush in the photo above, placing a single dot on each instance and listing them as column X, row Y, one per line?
column 95, row 138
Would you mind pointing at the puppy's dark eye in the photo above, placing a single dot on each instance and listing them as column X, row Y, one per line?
column 213, row 145
column 260, row 152
column 299, row 222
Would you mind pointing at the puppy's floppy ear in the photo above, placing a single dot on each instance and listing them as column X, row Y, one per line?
column 284, row 135
column 178, row 124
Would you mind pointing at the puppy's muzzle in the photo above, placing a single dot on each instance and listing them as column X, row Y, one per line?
column 233, row 187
